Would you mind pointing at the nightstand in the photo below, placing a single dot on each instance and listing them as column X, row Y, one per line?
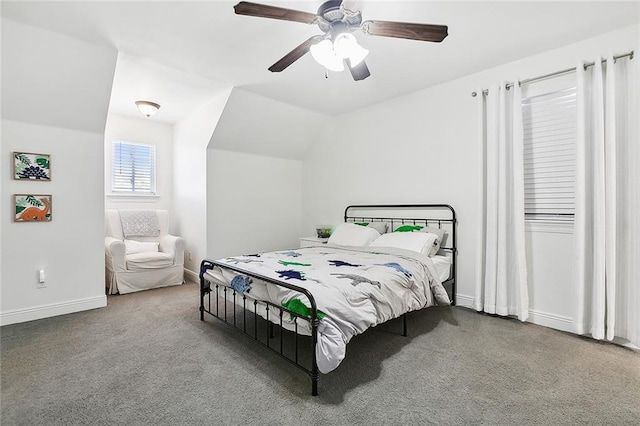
column 312, row 241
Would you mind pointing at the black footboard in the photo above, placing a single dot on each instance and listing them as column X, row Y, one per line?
column 240, row 311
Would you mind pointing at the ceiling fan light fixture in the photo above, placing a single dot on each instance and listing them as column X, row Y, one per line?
column 148, row 108
column 323, row 53
column 357, row 55
column 345, row 46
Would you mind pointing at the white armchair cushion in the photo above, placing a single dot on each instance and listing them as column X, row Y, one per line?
column 133, row 246
column 174, row 245
column 149, row 260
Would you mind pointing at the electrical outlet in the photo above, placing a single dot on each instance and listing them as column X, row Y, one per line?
column 190, row 255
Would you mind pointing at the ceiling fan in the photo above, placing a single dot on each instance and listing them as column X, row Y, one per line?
column 338, row 19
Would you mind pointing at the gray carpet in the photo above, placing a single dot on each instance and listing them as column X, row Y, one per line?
column 147, row 359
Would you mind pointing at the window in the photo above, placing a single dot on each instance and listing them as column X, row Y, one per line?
column 134, row 168
column 549, row 122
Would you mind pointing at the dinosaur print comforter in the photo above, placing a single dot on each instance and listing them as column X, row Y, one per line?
column 354, row 288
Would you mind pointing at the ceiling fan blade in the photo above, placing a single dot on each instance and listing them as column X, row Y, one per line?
column 295, row 54
column 273, row 12
column 422, row 32
column 360, row 71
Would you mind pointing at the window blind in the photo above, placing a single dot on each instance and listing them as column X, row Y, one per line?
column 133, row 168
column 549, row 122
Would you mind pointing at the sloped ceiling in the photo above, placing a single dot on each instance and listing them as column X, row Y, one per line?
column 178, row 93
column 82, row 74
column 206, row 39
column 256, row 124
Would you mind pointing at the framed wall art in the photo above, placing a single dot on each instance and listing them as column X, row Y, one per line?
column 30, row 166
column 32, row 208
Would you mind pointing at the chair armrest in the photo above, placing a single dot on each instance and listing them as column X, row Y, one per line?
column 114, row 248
column 175, row 246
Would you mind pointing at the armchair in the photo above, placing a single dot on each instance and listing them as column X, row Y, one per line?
column 129, row 270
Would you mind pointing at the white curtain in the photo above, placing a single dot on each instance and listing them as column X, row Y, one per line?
column 502, row 276
column 607, row 224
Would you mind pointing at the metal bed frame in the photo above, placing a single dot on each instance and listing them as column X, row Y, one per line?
column 225, row 306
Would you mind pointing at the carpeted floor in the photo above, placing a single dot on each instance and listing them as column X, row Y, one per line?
column 147, row 359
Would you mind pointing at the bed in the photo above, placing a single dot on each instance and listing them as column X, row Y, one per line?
column 307, row 303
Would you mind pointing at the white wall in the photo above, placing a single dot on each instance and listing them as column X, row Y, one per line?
column 191, row 137
column 549, row 273
column 236, row 165
column 141, row 130
column 254, row 186
column 254, row 203
column 55, row 98
column 424, row 148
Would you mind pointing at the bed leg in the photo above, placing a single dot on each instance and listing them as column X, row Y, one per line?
column 315, row 372
column 404, row 325
column 201, row 299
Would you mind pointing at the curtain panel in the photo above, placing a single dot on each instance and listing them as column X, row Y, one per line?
column 607, row 228
column 502, row 276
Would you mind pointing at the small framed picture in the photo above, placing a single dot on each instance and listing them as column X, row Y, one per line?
column 30, row 166
column 32, row 208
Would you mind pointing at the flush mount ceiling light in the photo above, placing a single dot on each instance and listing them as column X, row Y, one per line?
column 147, row 108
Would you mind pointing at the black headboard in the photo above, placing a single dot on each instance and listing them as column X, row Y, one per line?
column 434, row 215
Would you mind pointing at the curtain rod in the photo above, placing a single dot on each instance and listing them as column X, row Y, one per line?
column 561, row 72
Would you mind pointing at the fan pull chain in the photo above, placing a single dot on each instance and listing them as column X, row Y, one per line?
column 326, row 74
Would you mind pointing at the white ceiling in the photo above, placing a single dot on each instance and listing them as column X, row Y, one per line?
column 177, row 92
column 178, row 53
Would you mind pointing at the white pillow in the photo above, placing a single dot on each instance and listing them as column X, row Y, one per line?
column 440, row 233
column 132, row 246
column 415, row 241
column 442, row 236
column 381, row 227
column 349, row 234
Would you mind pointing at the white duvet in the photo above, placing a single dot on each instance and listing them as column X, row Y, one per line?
column 354, row 287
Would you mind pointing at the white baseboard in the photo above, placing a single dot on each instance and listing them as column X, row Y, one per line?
column 191, row 276
column 558, row 322
column 464, row 301
column 55, row 309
